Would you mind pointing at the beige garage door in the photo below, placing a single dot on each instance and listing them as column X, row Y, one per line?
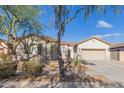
column 93, row 54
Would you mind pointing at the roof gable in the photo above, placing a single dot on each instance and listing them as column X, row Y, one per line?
column 95, row 39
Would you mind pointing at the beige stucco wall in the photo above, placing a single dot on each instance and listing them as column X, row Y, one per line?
column 121, row 56
column 115, row 55
column 94, row 44
column 34, row 40
column 3, row 47
column 37, row 41
column 64, row 49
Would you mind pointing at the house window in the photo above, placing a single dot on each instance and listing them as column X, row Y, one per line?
column 39, row 49
column 69, row 53
column 33, row 48
column 26, row 48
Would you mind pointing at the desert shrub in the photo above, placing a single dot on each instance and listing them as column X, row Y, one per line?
column 77, row 62
column 5, row 57
column 7, row 66
column 32, row 68
column 53, row 66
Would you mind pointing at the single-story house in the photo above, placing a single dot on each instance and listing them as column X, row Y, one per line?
column 117, row 52
column 90, row 49
column 94, row 49
column 43, row 45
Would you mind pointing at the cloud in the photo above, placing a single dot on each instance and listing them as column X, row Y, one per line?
column 108, row 35
column 103, row 24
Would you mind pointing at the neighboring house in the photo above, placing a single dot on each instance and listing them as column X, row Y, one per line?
column 94, row 49
column 117, row 52
column 3, row 47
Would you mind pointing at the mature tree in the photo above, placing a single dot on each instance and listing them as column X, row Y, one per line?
column 62, row 18
column 18, row 21
column 61, row 15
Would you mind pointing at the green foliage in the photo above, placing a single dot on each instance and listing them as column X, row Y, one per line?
column 5, row 57
column 7, row 67
column 27, row 16
column 21, row 11
column 32, row 68
column 61, row 16
column 77, row 62
column 1, row 21
column 52, row 48
column 18, row 21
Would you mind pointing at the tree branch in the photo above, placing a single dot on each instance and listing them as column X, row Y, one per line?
column 73, row 17
column 4, row 8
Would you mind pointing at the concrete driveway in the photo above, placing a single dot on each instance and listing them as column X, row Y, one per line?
column 112, row 70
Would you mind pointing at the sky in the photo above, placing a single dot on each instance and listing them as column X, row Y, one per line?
column 109, row 27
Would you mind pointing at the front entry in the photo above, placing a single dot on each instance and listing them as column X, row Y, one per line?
column 69, row 54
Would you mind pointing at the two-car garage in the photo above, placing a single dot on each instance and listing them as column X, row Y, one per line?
column 94, row 49
column 93, row 54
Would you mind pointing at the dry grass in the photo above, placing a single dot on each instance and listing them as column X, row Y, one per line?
column 101, row 78
column 81, row 67
column 88, row 68
column 51, row 75
column 52, row 66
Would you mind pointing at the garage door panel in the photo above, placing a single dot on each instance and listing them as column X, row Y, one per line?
column 93, row 54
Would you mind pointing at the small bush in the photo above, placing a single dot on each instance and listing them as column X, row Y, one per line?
column 32, row 68
column 7, row 67
column 53, row 66
column 77, row 62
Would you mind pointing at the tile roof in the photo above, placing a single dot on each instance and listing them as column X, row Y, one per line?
column 117, row 45
column 47, row 38
column 68, row 43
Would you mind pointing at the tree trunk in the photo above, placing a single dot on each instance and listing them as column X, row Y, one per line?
column 60, row 28
column 28, row 56
column 12, row 51
column 60, row 60
column 15, row 59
